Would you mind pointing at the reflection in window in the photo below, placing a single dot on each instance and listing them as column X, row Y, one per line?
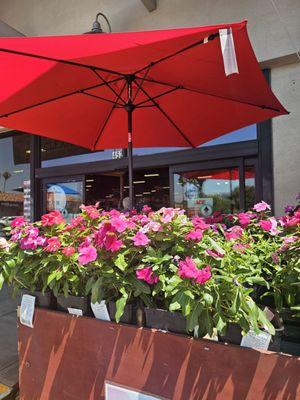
column 249, row 187
column 14, row 177
column 203, row 192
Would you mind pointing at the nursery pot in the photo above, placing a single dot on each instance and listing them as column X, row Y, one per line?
column 165, row 320
column 43, row 300
column 233, row 335
column 81, row 303
column 128, row 315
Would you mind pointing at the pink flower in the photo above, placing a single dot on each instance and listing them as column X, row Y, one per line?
column 262, row 206
column 111, row 242
column 290, row 239
column 199, row 223
column 195, row 235
column 53, row 218
column 203, row 275
column 275, row 258
column 140, row 239
column 266, row 225
column 87, row 255
column 18, row 222
column 214, row 254
column 146, row 274
column 187, row 268
column 28, row 243
column 234, row 233
column 32, row 231
column 68, row 251
column 41, row 241
column 53, row 244
column 244, row 219
column 91, row 211
column 167, row 214
column 119, row 223
column 153, row 226
column 146, row 209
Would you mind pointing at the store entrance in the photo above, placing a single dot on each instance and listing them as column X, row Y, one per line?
column 108, row 189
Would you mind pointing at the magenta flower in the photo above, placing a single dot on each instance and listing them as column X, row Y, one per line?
column 52, row 218
column 187, row 268
column 203, row 275
column 91, row 211
column 146, row 274
column 244, row 219
column 68, row 251
column 234, row 233
column 214, row 254
column 265, row 225
column 53, row 244
column 28, row 243
column 289, row 208
column 262, row 206
column 87, row 255
column 41, row 241
column 140, row 239
column 195, row 235
column 111, row 242
column 32, row 231
column 18, row 222
column 199, row 223
column 146, row 209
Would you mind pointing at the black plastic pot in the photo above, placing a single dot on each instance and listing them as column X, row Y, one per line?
column 234, row 336
column 43, row 300
column 128, row 316
column 81, row 303
column 165, row 320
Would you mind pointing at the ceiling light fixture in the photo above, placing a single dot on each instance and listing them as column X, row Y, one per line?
column 150, row 175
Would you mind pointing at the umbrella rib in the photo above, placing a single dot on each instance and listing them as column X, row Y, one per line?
column 198, row 43
column 108, row 116
column 54, row 99
column 108, row 85
column 58, row 60
column 101, row 98
column 167, row 116
column 211, row 94
column 158, row 96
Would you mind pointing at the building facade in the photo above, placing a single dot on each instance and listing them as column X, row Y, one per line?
column 227, row 174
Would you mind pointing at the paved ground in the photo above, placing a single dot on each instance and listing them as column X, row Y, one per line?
column 8, row 340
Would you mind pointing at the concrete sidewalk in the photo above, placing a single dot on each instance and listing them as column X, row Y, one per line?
column 8, row 339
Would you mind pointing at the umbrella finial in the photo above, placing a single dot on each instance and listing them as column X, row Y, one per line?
column 96, row 24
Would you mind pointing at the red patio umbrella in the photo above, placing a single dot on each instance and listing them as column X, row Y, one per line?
column 89, row 89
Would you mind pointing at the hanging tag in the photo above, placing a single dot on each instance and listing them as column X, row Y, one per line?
column 100, row 310
column 259, row 341
column 75, row 311
column 228, row 51
column 27, row 310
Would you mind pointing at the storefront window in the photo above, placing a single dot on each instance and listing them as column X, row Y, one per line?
column 249, row 187
column 201, row 192
column 14, row 177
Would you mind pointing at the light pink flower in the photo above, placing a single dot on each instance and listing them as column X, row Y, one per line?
column 140, row 239
column 41, row 241
column 290, row 239
column 167, row 214
column 119, row 223
column 53, row 244
column 195, row 235
column 154, row 226
column 68, row 251
column 18, row 222
column 262, row 206
column 91, row 211
column 87, row 255
column 214, row 254
column 146, row 274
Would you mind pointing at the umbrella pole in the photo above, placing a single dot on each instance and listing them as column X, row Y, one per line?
column 129, row 108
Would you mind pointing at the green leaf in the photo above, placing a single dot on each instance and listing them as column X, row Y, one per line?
column 96, row 292
column 139, row 285
column 208, row 298
column 121, row 262
column 120, row 305
column 193, row 318
column 51, row 277
column 265, row 322
column 1, row 281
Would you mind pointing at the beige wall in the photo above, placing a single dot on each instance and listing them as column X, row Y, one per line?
column 268, row 36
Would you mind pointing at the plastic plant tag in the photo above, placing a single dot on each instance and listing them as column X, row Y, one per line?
column 27, row 310
column 228, row 51
column 100, row 310
column 116, row 392
column 259, row 341
column 268, row 313
column 75, row 311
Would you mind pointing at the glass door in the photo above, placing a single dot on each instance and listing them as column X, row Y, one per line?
column 63, row 194
column 204, row 188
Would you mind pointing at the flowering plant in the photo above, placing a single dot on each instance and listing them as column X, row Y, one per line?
column 207, row 269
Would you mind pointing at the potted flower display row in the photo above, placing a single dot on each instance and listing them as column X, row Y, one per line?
column 161, row 269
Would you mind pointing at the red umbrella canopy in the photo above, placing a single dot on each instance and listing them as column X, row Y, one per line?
column 75, row 88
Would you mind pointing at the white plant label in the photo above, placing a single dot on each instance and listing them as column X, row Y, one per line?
column 114, row 392
column 100, row 310
column 75, row 311
column 259, row 341
column 268, row 313
column 27, row 310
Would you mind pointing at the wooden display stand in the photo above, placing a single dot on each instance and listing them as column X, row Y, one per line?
column 69, row 358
